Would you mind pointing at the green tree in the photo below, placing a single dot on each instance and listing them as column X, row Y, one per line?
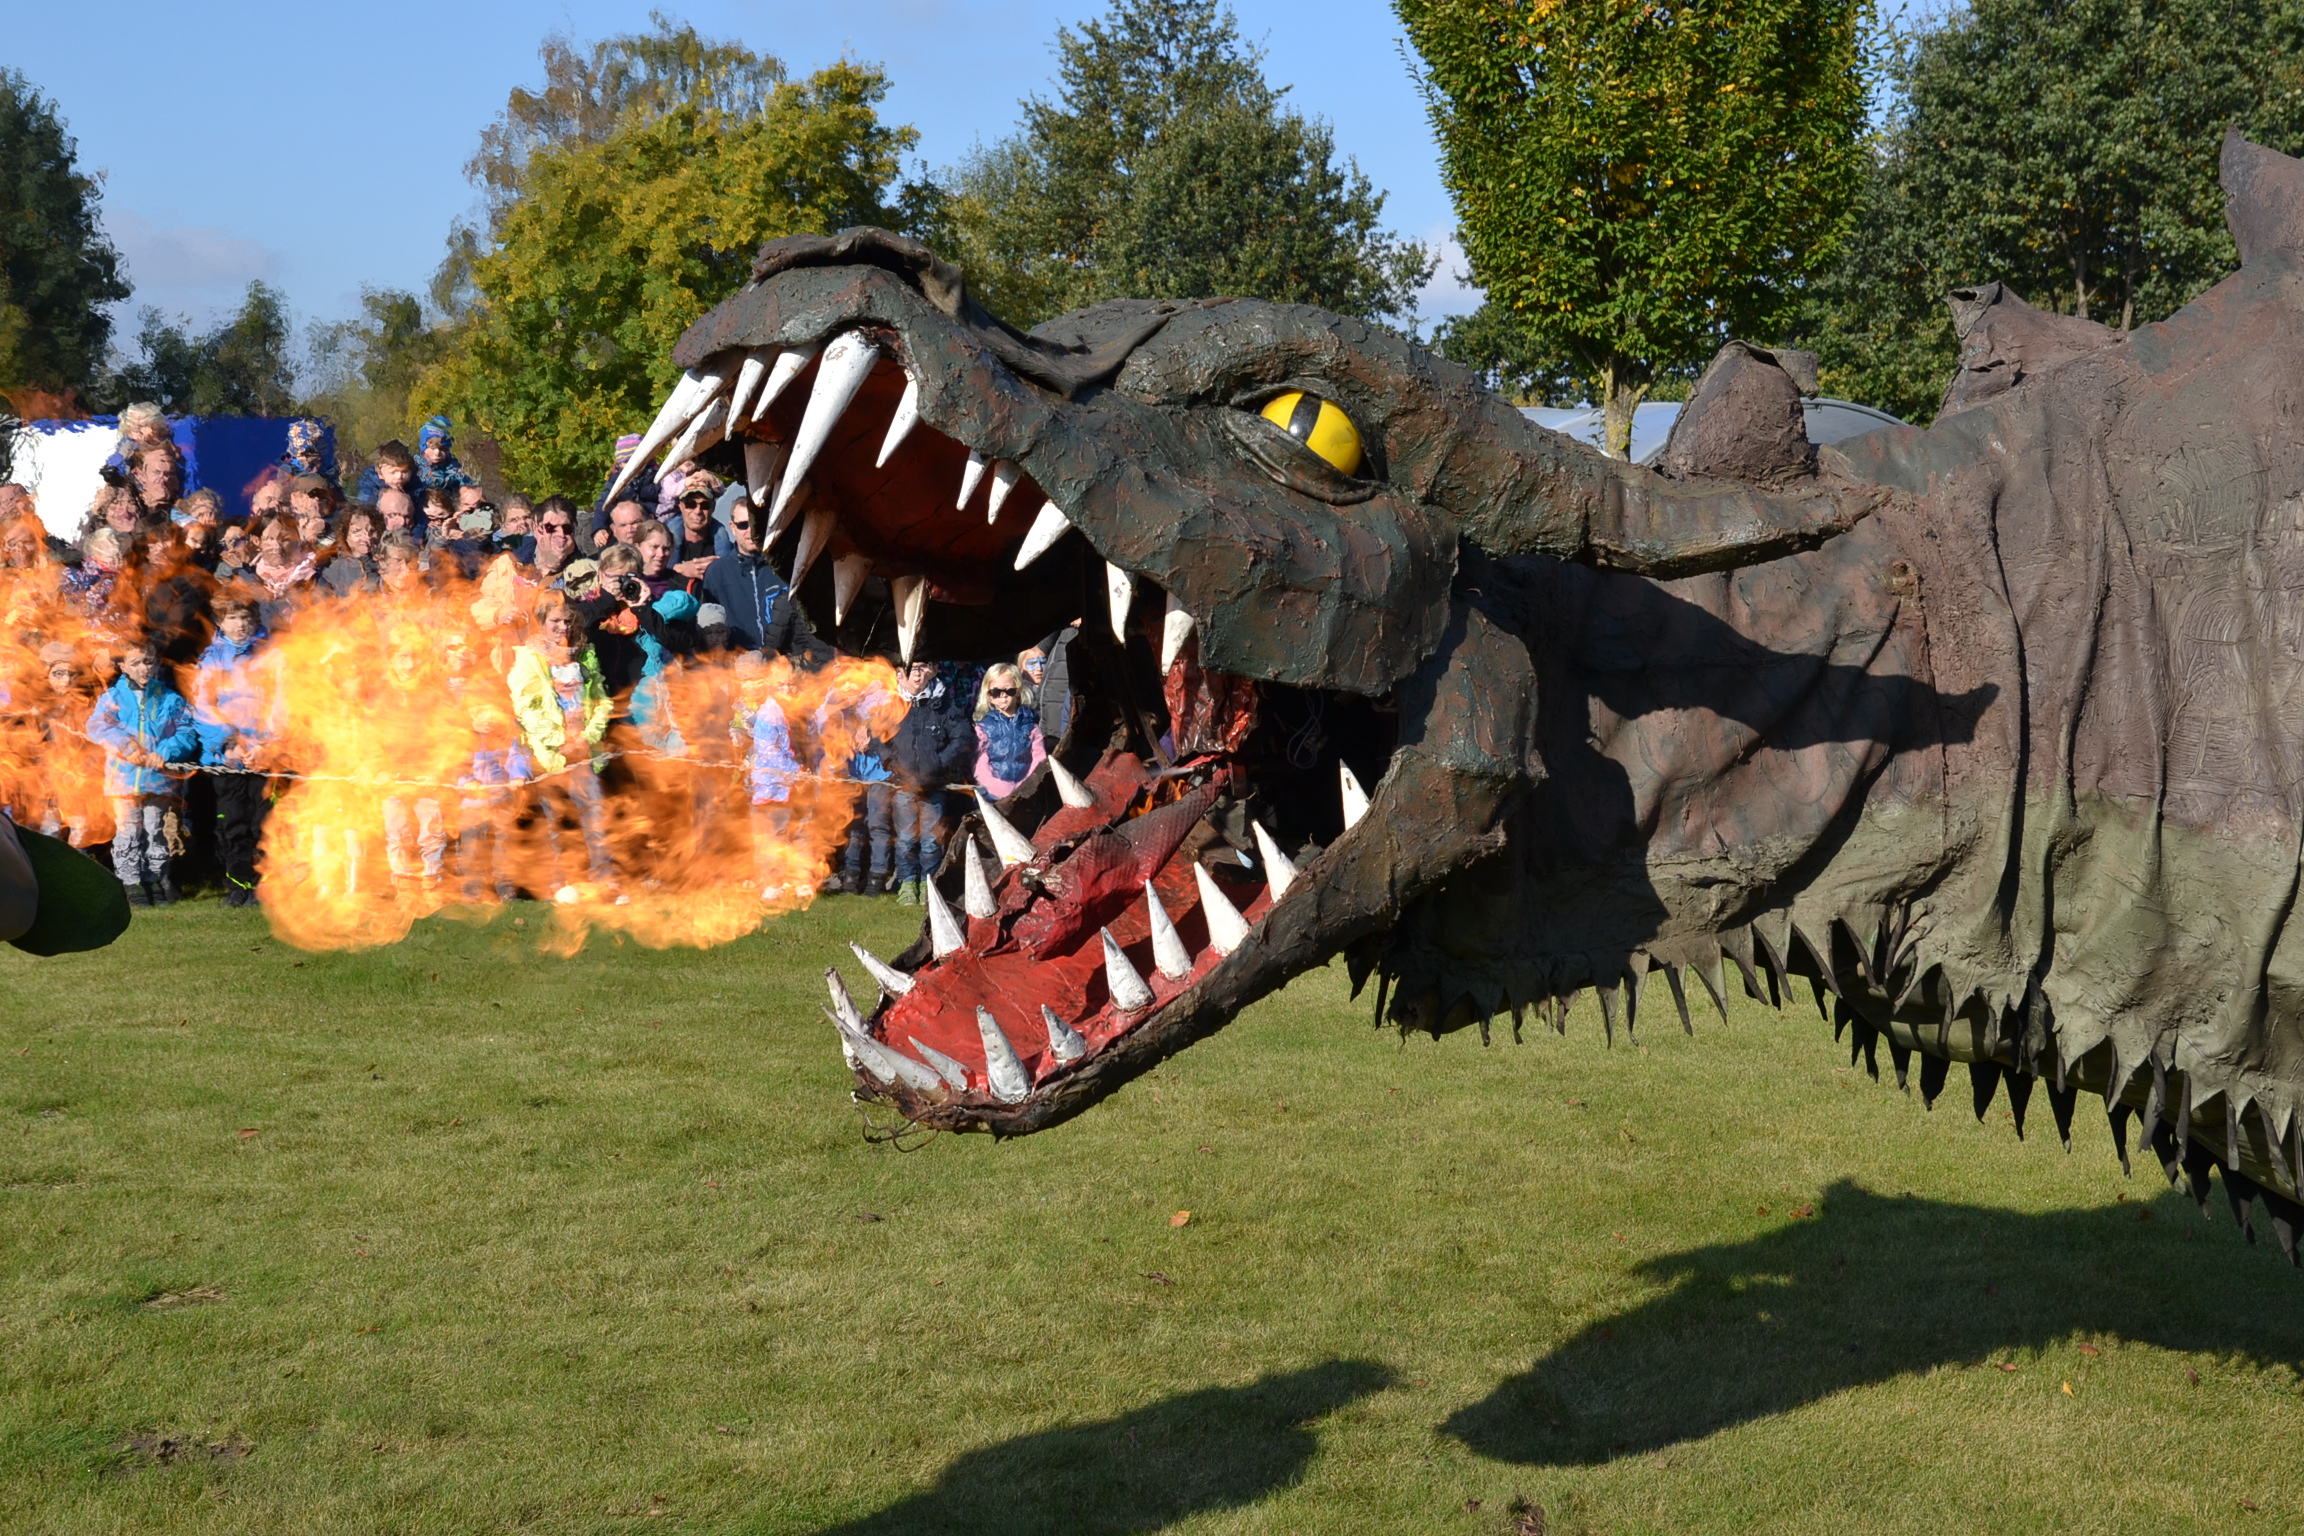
column 2068, row 150
column 1168, row 168
column 1635, row 182
column 57, row 271
column 611, row 247
column 242, row 367
column 1512, row 359
column 364, row 371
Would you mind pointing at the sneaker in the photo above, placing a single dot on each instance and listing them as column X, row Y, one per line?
column 139, row 894
column 835, row 884
column 876, row 885
column 908, row 893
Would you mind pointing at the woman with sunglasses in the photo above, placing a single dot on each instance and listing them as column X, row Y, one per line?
column 1008, row 744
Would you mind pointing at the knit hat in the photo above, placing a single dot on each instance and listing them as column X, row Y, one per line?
column 711, row 616
column 434, row 427
column 624, row 447
column 676, row 605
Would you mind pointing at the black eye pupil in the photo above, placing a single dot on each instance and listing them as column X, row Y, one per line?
column 1304, row 417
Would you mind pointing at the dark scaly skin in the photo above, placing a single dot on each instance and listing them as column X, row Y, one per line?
column 1994, row 732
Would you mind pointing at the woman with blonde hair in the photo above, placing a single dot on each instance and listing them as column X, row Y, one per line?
column 1008, row 744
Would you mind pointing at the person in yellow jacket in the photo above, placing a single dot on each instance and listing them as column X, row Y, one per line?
column 562, row 704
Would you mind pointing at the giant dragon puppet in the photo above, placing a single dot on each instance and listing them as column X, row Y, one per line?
column 1992, row 733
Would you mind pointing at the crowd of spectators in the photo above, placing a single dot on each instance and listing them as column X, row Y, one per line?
column 574, row 655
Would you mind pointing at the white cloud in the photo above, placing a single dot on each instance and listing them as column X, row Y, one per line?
column 181, row 269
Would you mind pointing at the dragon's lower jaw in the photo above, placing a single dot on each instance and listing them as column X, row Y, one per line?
column 1081, row 952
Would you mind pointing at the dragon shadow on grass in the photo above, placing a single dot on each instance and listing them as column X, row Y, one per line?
column 1214, row 1449
column 1824, row 1304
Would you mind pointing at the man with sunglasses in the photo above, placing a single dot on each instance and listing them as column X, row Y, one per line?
column 761, row 613
column 695, row 538
column 555, row 542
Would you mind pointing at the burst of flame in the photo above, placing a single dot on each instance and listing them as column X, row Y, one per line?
column 391, row 711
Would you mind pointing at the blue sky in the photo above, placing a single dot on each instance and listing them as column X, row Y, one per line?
column 321, row 147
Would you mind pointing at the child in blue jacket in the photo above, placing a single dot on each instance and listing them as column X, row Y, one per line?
column 144, row 725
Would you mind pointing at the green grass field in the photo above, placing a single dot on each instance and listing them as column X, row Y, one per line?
column 456, row 1237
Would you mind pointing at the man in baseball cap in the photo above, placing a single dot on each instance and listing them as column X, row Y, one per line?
column 54, row 899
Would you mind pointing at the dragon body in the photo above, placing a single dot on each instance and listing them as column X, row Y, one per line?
column 1992, row 733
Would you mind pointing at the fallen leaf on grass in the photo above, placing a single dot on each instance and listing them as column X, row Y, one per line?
column 1158, row 1278
column 2192, row 1375
column 245, row 1132
column 1805, row 1210
column 1181, row 1218
column 2068, row 1392
column 1999, row 1365
column 870, row 1216
column 1763, row 1210
column 2248, row 1504
column 299, row 965
column 2090, row 1349
column 369, row 1328
column 177, row 1301
column 711, row 1183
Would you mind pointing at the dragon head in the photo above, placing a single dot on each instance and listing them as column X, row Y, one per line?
column 1271, row 522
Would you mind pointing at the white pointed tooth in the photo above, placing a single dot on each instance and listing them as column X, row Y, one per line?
column 1130, row 993
column 1175, row 629
column 843, row 1006
column 892, row 981
column 944, row 931
column 848, row 573
column 970, row 478
column 1013, row 846
column 748, row 379
column 977, row 900
column 815, row 533
column 901, row 424
column 1002, row 1070
column 911, row 593
column 1227, row 929
column 1069, row 788
column 1122, row 587
column 1169, row 956
column 671, row 416
column 861, row 1054
column 1046, row 529
column 916, row 1077
column 783, row 371
column 1064, row 1042
column 847, row 364
column 885, row 1062
column 1279, row 871
column 710, row 425
column 1355, row 798
column 1004, row 478
column 763, row 462
column 772, row 526
column 946, row 1068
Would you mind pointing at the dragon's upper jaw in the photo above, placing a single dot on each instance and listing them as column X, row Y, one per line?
column 1106, row 908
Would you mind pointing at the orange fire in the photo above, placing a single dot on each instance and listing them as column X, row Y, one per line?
column 405, row 782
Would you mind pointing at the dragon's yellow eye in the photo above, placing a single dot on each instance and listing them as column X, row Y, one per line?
column 1319, row 425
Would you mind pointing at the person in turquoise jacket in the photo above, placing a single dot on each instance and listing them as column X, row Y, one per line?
column 144, row 726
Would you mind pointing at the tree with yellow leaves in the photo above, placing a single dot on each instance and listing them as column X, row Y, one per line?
column 603, row 245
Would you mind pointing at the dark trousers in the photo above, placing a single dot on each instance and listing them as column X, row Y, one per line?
column 875, row 818
column 240, row 808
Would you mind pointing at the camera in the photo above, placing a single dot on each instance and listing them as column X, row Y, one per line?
column 630, row 589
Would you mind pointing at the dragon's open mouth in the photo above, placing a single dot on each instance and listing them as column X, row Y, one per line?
column 1165, row 826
